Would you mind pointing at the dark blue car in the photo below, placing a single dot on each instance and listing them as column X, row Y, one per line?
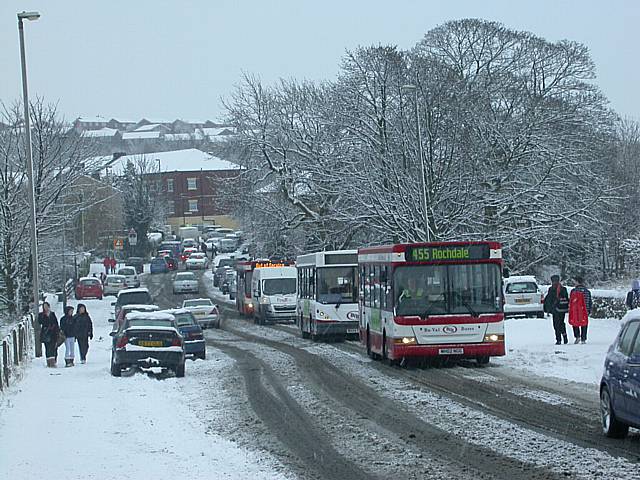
column 194, row 345
column 159, row 265
column 620, row 385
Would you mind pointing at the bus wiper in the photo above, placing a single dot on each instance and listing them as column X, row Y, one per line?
column 427, row 312
column 466, row 304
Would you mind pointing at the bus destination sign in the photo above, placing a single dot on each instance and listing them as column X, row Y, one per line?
column 449, row 253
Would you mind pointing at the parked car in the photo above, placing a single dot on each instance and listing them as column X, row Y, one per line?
column 191, row 333
column 523, row 296
column 158, row 265
column 113, row 284
column 148, row 339
column 197, row 261
column 133, row 307
column 136, row 262
column 620, row 384
column 186, row 282
column 138, row 296
column 89, row 287
column 204, row 311
column 130, row 275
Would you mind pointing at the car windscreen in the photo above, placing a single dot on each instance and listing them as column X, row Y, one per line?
column 337, row 285
column 126, row 271
column 89, row 282
column 279, row 286
column 140, row 298
column 197, row 303
column 226, row 262
column 115, row 280
column 158, row 261
column 184, row 319
column 425, row 290
column 185, row 276
column 149, row 323
column 522, row 287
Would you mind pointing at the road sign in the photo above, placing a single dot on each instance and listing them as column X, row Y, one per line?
column 133, row 238
column 118, row 244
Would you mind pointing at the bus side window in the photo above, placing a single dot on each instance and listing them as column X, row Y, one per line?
column 383, row 287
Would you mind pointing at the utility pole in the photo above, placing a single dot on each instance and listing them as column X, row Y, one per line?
column 32, row 196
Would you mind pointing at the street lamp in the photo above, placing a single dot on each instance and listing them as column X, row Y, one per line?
column 32, row 199
column 414, row 89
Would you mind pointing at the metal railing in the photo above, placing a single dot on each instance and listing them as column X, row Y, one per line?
column 17, row 348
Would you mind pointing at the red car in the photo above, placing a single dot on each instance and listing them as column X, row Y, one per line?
column 89, row 287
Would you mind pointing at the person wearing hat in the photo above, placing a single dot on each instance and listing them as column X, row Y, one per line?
column 68, row 327
column 633, row 297
column 556, row 302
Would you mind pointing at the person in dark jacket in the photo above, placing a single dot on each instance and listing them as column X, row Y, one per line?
column 579, row 310
column 83, row 331
column 556, row 302
column 633, row 296
column 68, row 327
column 49, row 330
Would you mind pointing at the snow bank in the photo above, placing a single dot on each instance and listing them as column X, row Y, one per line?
column 531, row 346
column 81, row 423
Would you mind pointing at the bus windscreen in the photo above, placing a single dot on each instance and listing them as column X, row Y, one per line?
column 424, row 290
column 337, row 285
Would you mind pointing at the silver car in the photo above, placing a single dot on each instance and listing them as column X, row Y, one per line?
column 131, row 276
column 113, row 284
column 204, row 311
column 186, row 282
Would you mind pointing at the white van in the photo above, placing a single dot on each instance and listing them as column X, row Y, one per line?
column 522, row 296
column 274, row 292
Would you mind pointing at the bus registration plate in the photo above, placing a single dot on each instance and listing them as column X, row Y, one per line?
column 352, row 330
column 451, row 351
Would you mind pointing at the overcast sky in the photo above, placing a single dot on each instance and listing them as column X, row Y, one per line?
column 176, row 59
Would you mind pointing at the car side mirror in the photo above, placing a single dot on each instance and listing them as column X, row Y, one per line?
column 112, row 333
column 113, row 304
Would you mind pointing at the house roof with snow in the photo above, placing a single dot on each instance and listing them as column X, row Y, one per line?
column 140, row 135
column 103, row 132
column 187, row 160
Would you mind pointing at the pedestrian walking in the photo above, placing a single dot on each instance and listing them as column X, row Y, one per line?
column 556, row 303
column 633, row 297
column 83, row 331
column 579, row 309
column 203, row 247
column 68, row 327
column 114, row 264
column 106, row 263
column 49, row 331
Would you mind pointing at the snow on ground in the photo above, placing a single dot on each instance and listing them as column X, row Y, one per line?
column 531, row 346
column 81, row 423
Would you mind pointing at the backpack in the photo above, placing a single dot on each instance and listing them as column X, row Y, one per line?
column 562, row 303
column 635, row 299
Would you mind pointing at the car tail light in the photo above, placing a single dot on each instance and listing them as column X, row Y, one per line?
column 176, row 342
column 122, row 342
column 542, row 298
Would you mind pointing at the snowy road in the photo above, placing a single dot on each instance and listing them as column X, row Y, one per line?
column 268, row 404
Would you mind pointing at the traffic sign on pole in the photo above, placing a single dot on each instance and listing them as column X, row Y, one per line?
column 133, row 238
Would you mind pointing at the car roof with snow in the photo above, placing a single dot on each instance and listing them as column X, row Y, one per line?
column 133, row 290
column 89, row 278
column 150, row 316
column 197, row 300
column 141, row 307
column 118, row 277
column 520, row 278
column 185, row 274
column 175, row 311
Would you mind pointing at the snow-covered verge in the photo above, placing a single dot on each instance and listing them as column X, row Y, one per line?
column 81, row 423
column 215, row 292
column 531, row 346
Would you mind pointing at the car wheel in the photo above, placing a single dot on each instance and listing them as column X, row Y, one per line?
column 483, row 360
column 180, row 370
column 611, row 426
column 116, row 370
column 203, row 355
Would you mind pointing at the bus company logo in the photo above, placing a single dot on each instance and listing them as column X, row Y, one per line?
column 353, row 316
column 450, row 329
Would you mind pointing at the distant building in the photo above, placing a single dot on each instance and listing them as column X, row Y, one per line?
column 194, row 182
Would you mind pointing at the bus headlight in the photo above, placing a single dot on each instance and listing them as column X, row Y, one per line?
column 265, row 301
column 494, row 337
column 405, row 341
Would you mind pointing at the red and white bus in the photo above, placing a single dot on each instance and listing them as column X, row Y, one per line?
column 432, row 300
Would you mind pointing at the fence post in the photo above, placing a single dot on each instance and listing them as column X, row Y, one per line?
column 14, row 341
column 5, row 361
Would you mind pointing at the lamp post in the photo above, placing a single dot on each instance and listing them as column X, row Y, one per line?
column 32, row 199
column 414, row 89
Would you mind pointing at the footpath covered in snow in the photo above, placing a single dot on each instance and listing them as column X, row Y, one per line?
column 81, row 423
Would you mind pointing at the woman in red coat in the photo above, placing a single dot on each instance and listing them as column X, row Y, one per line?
column 579, row 309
